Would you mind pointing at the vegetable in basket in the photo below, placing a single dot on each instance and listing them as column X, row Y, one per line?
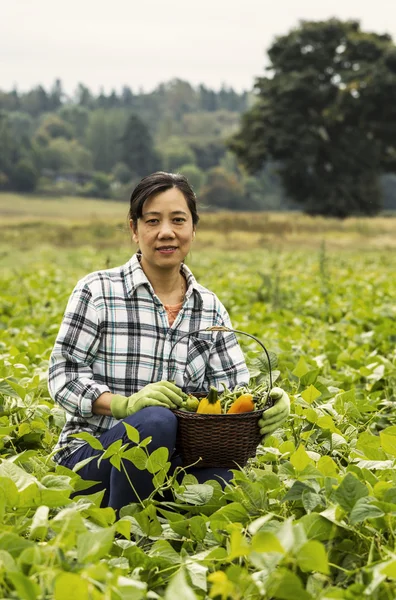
column 242, row 404
column 211, row 404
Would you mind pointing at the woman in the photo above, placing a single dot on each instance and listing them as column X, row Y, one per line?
column 111, row 362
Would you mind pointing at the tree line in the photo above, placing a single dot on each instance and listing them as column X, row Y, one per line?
column 317, row 132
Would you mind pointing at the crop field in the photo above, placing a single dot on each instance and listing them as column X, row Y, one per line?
column 313, row 516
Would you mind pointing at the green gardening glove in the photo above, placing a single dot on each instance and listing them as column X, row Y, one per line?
column 277, row 414
column 162, row 393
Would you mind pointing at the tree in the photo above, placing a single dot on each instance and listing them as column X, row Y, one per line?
column 53, row 127
column 208, row 152
column 66, row 156
column 24, row 177
column 76, row 117
column 325, row 114
column 122, row 173
column 137, row 149
column 195, row 176
column 104, row 132
column 9, row 153
column 175, row 153
column 223, row 190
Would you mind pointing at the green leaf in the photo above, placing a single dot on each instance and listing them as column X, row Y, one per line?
column 265, row 541
column 390, row 570
column 301, row 368
column 198, row 494
column 7, row 562
column 197, row 574
column 388, row 440
column 370, row 445
column 327, row 466
column 313, row 557
column 310, row 377
column 111, row 450
column 193, row 528
column 310, row 500
column 318, row 528
column 92, row 546
column 39, row 526
column 231, row 513
column 300, row 459
column 157, row 460
column 8, row 390
column 25, row 587
column 21, row 478
column 148, row 521
column 19, row 389
column 179, row 588
column 349, row 492
column 65, row 582
column 285, row 585
column 296, row 491
column 238, row 545
column 132, row 433
column 136, row 456
column 90, row 439
column 364, row 509
column 163, row 549
column 310, row 394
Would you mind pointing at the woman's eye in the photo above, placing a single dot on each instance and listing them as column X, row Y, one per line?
column 152, row 221
column 180, row 220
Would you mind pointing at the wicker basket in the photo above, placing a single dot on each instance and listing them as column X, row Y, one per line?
column 207, row 440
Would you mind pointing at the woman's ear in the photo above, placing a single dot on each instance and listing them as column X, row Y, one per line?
column 134, row 232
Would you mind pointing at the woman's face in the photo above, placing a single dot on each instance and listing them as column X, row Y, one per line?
column 165, row 230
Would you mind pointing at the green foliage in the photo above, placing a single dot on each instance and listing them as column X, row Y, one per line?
column 122, row 173
column 195, row 176
column 175, row 152
column 324, row 113
column 62, row 155
column 223, row 190
column 25, row 176
column 137, row 148
column 53, row 127
column 312, row 516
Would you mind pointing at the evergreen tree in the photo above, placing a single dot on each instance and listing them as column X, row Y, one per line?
column 137, row 148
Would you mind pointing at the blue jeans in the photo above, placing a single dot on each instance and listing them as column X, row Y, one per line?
column 157, row 422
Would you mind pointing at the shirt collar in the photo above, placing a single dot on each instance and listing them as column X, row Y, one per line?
column 136, row 277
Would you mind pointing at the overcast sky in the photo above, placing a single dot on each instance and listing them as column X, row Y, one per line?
column 141, row 43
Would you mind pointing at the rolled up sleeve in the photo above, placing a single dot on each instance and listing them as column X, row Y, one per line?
column 70, row 379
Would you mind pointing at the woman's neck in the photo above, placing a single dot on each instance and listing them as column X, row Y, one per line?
column 169, row 285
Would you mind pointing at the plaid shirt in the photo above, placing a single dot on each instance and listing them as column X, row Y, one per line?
column 115, row 337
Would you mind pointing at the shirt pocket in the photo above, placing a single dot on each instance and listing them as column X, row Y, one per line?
column 197, row 361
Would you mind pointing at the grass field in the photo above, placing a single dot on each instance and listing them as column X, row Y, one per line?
column 312, row 517
column 26, row 222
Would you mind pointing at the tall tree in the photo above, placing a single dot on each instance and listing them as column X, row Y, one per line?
column 325, row 112
column 138, row 149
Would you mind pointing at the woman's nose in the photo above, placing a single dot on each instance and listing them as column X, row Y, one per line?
column 166, row 230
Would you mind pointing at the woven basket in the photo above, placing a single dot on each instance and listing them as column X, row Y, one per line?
column 207, row 440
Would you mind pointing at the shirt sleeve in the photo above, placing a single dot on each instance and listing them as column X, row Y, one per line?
column 226, row 361
column 70, row 379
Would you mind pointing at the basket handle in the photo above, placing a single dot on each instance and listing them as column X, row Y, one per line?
column 223, row 328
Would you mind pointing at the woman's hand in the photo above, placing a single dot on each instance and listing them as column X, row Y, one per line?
column 275, row 416
column 162, row 393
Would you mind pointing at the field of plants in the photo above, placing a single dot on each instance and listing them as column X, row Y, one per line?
column 313, row 516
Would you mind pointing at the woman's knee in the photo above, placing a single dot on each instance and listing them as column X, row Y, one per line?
column 155, row 421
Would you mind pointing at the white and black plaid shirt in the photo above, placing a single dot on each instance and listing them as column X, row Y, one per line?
column 115, row 337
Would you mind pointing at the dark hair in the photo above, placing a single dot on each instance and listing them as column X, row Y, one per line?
column 154, row 184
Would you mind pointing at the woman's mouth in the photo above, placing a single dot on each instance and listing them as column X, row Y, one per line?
column 167, row 249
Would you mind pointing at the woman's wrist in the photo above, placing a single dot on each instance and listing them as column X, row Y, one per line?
column 101, row 406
